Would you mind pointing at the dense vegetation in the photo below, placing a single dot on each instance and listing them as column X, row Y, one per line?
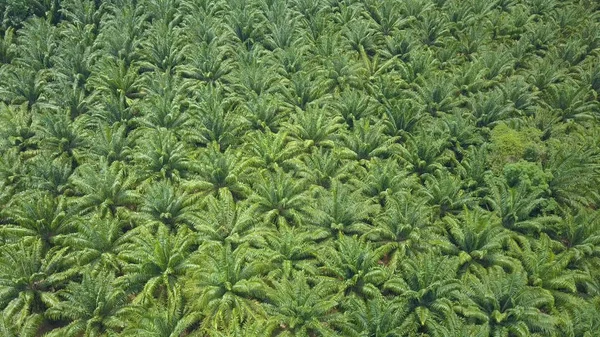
column 300, row 168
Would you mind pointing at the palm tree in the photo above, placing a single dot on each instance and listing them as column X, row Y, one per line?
column 428, row 290
column 38, row 37
column 515, row 205
column 97, row 244
column 224, row 220
column 404, row 227
column 478, row 239
column 37, row 215
column 289, row 248
column 506, row 306
column 323, row 166
column 278, row 199
column 376, row 317
column 30, row 277
column 298, row 308
column 213, row 121
column 224, row 284
column 17, row 129
column 105, row 189
column 574, row 172
column 342, row 210
column 271, row 150
column 315, row 127
column 445, row 193
column 49, row 175
column 215, row 170
column 368, row 141
column 61, row 137
column 551, row 271
column 94, row 307
column 164, row 203
column 111, row 143
column 354, row 266
column 161, row 320
column 163, row 48
column 384, row 179
column 202, row 63
column 157, row 262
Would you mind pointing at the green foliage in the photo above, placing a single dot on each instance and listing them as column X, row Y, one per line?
column 299, row 168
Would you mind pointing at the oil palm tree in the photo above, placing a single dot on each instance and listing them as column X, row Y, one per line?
column 94, row 307
column 97, row 244
column 428, row 290
column 105, row 189
column 37, row 215
column 224, row 220
column 170, row 319
column 30, row 277
column 224, row 284
column 506, row 306
column 279, row 199
column 156, row 262
column 165, row 203
column 342, row 210
column 356, row 266
column 297, row 308
column 214, row 170
column 477, row 238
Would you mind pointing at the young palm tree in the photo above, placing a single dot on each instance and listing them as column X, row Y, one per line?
column 224, row 284
column 297, row 308
column 30, row 277
column 506, row 306
column 323, row 166
column 164, row 203
column 172, row 319
column 37, row 215
column 157, row 262
column 342, row 210
column 289, row 248
column 278, row 199
column 97, row 244
column 224, row 221
column 478, row 239
column 354, row 266
column 215, row 170
column 105, row 189
column 428, row 289
column 94, row 307
column 404, row 227
column 314, row 127
column 376, row 317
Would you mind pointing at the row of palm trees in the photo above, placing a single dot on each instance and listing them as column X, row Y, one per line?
column 299, row 168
